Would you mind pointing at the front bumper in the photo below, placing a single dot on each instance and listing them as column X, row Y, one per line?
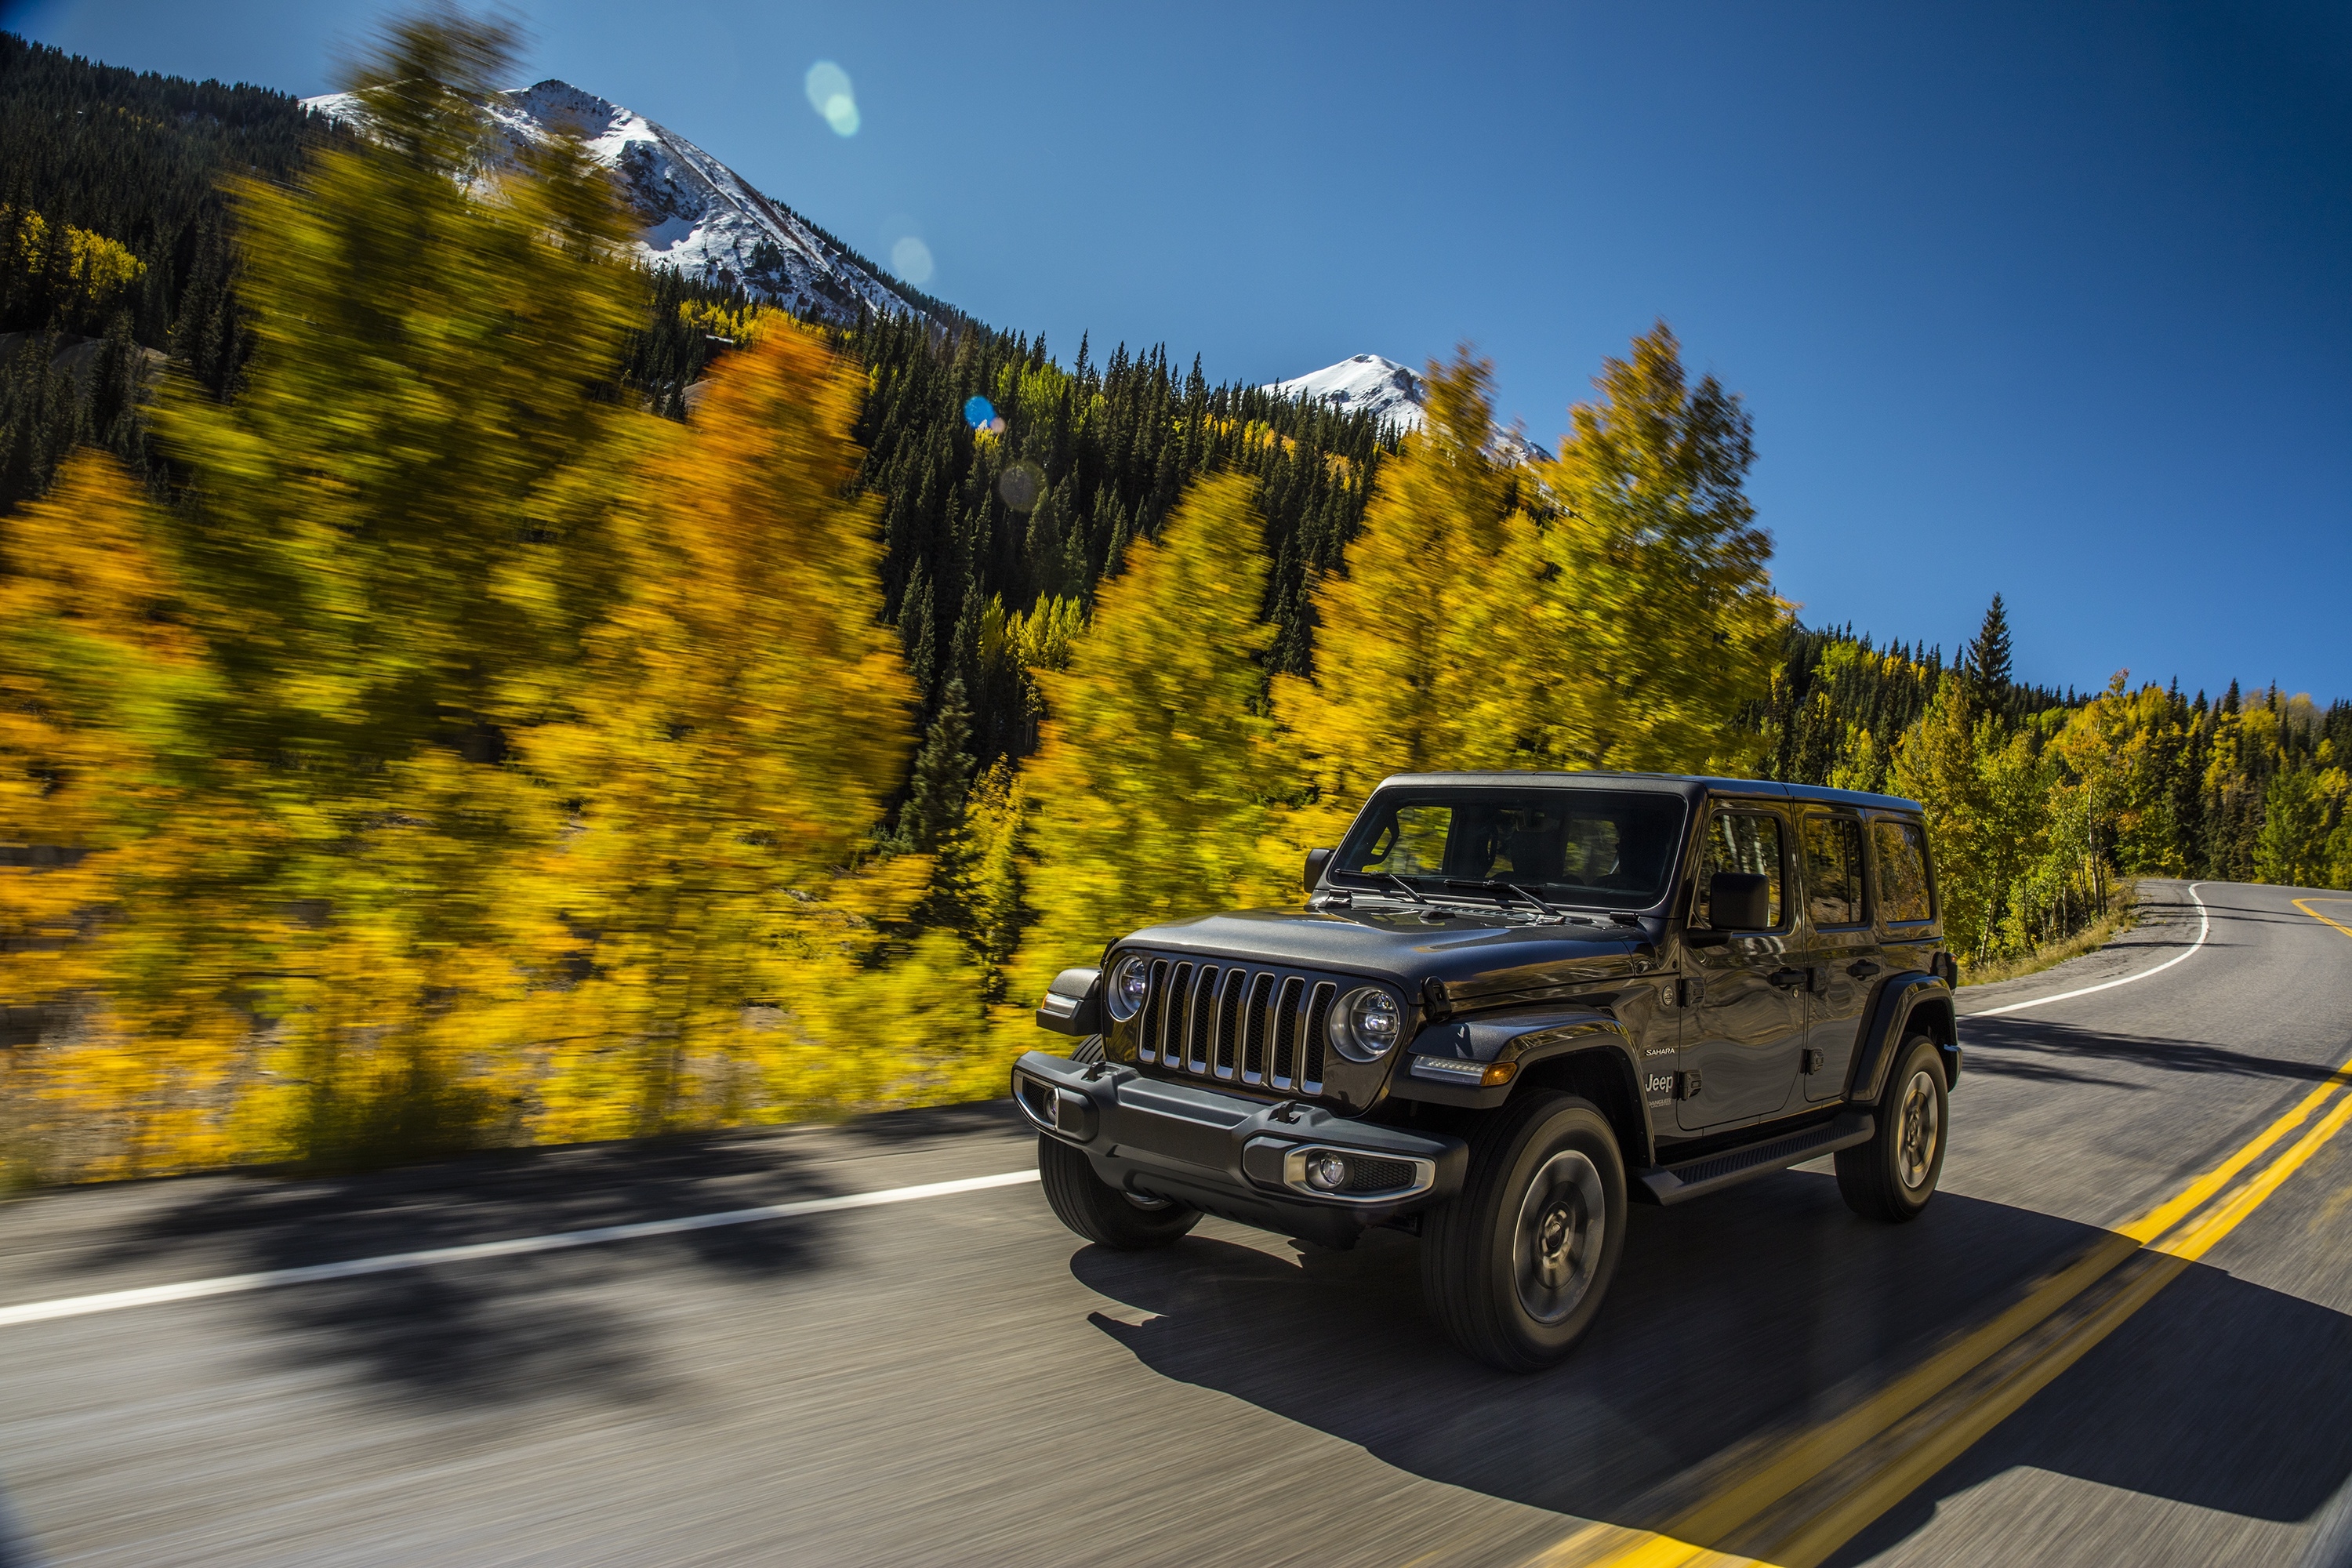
column 1243, row 1159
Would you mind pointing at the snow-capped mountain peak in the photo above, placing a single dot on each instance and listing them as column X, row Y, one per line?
column 1367, row 382
column 1391, row 393
column 695, row 214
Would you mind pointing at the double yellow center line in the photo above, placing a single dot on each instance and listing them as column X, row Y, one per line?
column 1790, row 1499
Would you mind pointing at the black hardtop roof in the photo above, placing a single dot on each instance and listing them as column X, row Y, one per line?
column 1690, row 786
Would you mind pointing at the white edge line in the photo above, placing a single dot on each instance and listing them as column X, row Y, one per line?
column 2204, row 924
column 515, row 1246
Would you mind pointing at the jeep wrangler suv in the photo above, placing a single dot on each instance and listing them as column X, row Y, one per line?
column 1511, row 1003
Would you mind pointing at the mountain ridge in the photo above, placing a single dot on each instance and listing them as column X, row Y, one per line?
column 696, row 215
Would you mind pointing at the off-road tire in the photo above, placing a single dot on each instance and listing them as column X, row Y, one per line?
column 1893, row 1176
column 1500, row 1243
column 1100, row 1211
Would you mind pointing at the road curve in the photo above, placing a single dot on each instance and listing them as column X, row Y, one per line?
column 952, row 1379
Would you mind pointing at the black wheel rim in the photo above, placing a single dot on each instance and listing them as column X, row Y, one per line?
column 1918, row 1130
column 1556, row 1244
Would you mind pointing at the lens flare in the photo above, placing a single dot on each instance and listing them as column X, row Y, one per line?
column 977, row 411
column 829, row 93
column 910, row 258
column 1021, row 485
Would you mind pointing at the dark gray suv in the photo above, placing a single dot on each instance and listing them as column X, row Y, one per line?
column 1511, row 1003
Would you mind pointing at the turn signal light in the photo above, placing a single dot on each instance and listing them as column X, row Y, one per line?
column 1485, row 1075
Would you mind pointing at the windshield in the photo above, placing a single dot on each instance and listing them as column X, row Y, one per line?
column 1611, row 850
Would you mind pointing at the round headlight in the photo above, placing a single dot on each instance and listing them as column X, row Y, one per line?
column 1130, row 981
column 1365, row 1023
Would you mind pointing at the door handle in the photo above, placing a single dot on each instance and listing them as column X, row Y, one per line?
column 1787, row 979
column 1862, row 969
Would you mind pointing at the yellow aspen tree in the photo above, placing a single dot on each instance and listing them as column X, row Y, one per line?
column 1423, row 656
column 114, row 895
column 397, row 537
column 1656, row 608
column 742, row 715
column 1147, row 798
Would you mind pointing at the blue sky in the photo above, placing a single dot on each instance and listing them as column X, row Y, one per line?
column 2053, row 301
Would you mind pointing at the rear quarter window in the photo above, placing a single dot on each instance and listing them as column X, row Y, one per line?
column 1905, row 896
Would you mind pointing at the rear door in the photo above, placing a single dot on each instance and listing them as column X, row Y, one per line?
column 1747, row 1023
column 1843, row 957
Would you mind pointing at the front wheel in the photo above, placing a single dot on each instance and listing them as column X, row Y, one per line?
column 1514, row 1266
column 1100, row 1211
column 1893, row 1176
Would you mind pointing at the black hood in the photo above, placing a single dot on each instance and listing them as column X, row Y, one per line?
column 1473, row 953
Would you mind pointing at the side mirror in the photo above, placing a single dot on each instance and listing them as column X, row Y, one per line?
column 1073, row 1003
column 1315, row 860
column 1739, row 901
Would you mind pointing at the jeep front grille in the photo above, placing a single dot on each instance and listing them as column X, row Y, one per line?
column 1237, row 1024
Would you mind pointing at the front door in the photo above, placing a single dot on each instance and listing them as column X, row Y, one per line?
column 1845, row 958
column 1748, row 1021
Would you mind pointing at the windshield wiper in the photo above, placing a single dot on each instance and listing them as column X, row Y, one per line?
column 1410, row 890
column 1499, row 889
column 1616, row 917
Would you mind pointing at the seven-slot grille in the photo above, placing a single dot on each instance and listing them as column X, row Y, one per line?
column 1235, row 1023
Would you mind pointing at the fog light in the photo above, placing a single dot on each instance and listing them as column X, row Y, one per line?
column 1326, row 1172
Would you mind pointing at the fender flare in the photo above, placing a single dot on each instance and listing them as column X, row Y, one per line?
column 1523, row 1038
column 1901, row 998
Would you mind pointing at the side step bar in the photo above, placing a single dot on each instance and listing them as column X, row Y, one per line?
column 1670, row 1184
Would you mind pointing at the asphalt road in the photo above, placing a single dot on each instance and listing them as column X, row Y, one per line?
column 954, row 1380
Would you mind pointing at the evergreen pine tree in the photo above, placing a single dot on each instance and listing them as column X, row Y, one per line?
column 942, row 781
column 1988, row 654
column 918, row 629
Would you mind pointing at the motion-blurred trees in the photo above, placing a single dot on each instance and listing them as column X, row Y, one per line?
column 399, row 531
column 125, row 876
column 740, row 718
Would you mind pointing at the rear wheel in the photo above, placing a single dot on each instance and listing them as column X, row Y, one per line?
column 1514, row 1266
column 1893, row 1176
column 1100, row 1211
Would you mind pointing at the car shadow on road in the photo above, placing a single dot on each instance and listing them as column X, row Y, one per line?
column 2270, row 917
column 2024, row 1048
column 1731, row 1320
column 504, row 1330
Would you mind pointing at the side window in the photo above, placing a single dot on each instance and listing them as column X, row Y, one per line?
column 1741, row 841
column 1902, row 893
column 1833, row 870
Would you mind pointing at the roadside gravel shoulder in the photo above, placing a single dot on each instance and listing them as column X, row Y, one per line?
column 2166, row 926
